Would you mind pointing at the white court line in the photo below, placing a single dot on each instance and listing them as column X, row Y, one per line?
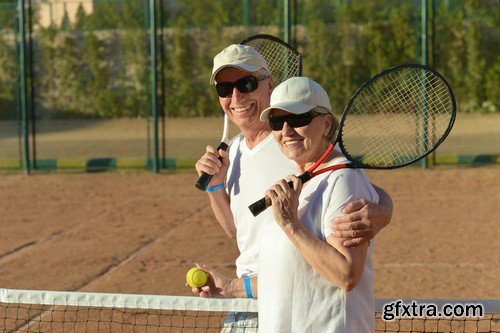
column 435, row 264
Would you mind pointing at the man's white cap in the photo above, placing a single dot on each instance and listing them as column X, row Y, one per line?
column 241, row 56
column 298, row 95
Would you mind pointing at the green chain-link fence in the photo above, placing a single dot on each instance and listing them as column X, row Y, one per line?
column 90, row 85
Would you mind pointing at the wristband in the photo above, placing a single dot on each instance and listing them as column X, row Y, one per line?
column 248, row 286
column 215, row 188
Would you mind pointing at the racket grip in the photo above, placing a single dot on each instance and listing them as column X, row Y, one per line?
column 259, row 206
column 205, row 178
column 203, row 181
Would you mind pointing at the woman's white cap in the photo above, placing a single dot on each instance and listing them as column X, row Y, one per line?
column 242, row 56
column 298, row 95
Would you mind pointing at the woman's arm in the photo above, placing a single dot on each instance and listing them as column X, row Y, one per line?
column 340, row 265
column 362, row 220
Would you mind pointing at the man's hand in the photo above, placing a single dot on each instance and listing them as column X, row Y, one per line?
column 215, row 163
column 361, row 221
column 217, row 286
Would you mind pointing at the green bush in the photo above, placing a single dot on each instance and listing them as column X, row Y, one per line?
column 98, row 64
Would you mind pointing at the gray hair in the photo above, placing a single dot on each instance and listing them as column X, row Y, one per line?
column 325, row 112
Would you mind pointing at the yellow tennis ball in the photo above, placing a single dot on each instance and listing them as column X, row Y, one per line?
column 196, row 277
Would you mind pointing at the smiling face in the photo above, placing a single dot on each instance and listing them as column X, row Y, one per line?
column 303, row 144
column 244, row 109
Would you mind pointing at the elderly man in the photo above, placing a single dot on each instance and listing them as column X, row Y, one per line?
column 254, row 163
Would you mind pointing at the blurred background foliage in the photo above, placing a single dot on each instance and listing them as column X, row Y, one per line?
column 95, row 63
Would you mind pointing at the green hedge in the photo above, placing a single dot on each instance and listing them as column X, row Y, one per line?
column 97, row 65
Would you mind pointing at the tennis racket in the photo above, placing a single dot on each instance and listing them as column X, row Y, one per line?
column 283, row 62
column 394, row 119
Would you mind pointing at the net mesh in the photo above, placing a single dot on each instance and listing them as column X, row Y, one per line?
column 53, row 311
column 487, row 324
column 398, row 117
column 283, row 61
column 468, row 316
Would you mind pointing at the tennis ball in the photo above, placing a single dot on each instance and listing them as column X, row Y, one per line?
column 196, row 277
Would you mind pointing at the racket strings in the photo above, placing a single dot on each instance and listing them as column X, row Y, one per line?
column 283, row 62
column 397, row 118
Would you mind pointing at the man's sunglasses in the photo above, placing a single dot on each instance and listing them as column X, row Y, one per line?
column 244, row 85
column 293, row 120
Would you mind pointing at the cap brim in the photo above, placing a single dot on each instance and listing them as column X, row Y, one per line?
column 245, row 67
column 292, row 107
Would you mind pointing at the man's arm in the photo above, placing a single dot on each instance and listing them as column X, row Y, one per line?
column 219, row 200
column 362, row 220
column 220, row 286
column 220, row 206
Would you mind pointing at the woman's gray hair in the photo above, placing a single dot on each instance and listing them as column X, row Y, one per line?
column 333, row 129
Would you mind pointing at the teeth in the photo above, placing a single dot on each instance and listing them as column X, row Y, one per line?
column 292, row 143
column 242, row 109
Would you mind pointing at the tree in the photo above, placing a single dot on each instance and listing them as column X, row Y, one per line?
column 474, row 59
column 492, row 87
column 80, row 18
column 180, row 91
column 8, row 77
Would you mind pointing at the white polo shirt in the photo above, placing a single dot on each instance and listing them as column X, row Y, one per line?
column 293, row 297
column 251, row 173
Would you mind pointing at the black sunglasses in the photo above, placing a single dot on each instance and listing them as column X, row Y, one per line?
column 293, row 120
column 244, row 85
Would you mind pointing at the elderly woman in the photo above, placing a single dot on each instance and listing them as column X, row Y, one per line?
column 308, row 281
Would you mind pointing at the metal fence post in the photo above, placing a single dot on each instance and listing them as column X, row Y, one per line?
column 286, row 20
column 154, row 80
column 23, row 89
column 246, row 12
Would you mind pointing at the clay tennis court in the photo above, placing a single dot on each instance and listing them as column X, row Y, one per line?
column 140, row 232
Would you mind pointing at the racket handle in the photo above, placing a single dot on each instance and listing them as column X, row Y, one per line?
column 259, row 206
column 205, row 178
column 203, row 181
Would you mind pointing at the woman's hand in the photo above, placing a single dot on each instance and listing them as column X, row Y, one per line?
column 285, row 200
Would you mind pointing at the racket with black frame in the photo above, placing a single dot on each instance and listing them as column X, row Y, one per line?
column 394, row 119
column 283, row 61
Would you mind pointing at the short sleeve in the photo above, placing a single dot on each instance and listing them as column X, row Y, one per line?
column 345, row 186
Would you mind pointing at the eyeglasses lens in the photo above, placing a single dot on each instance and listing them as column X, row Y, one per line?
column 244, row 85
column 293, row 120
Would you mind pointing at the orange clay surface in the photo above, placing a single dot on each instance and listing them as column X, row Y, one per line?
column 141, row 232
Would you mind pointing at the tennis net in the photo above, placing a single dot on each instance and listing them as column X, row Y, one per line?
column 56, row 311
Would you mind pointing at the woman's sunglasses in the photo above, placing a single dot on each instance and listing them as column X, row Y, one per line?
column 244, row 85
column 293, row 120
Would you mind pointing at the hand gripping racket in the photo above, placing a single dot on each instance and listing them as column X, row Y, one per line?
column 225, row 142
column 283, row 62
column 394, row 119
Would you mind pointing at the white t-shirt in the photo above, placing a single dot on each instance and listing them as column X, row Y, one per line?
column 251, row 173
column 292, row 296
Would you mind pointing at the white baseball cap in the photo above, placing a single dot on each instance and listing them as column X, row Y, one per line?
column 241, row 56
column 298, row 95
